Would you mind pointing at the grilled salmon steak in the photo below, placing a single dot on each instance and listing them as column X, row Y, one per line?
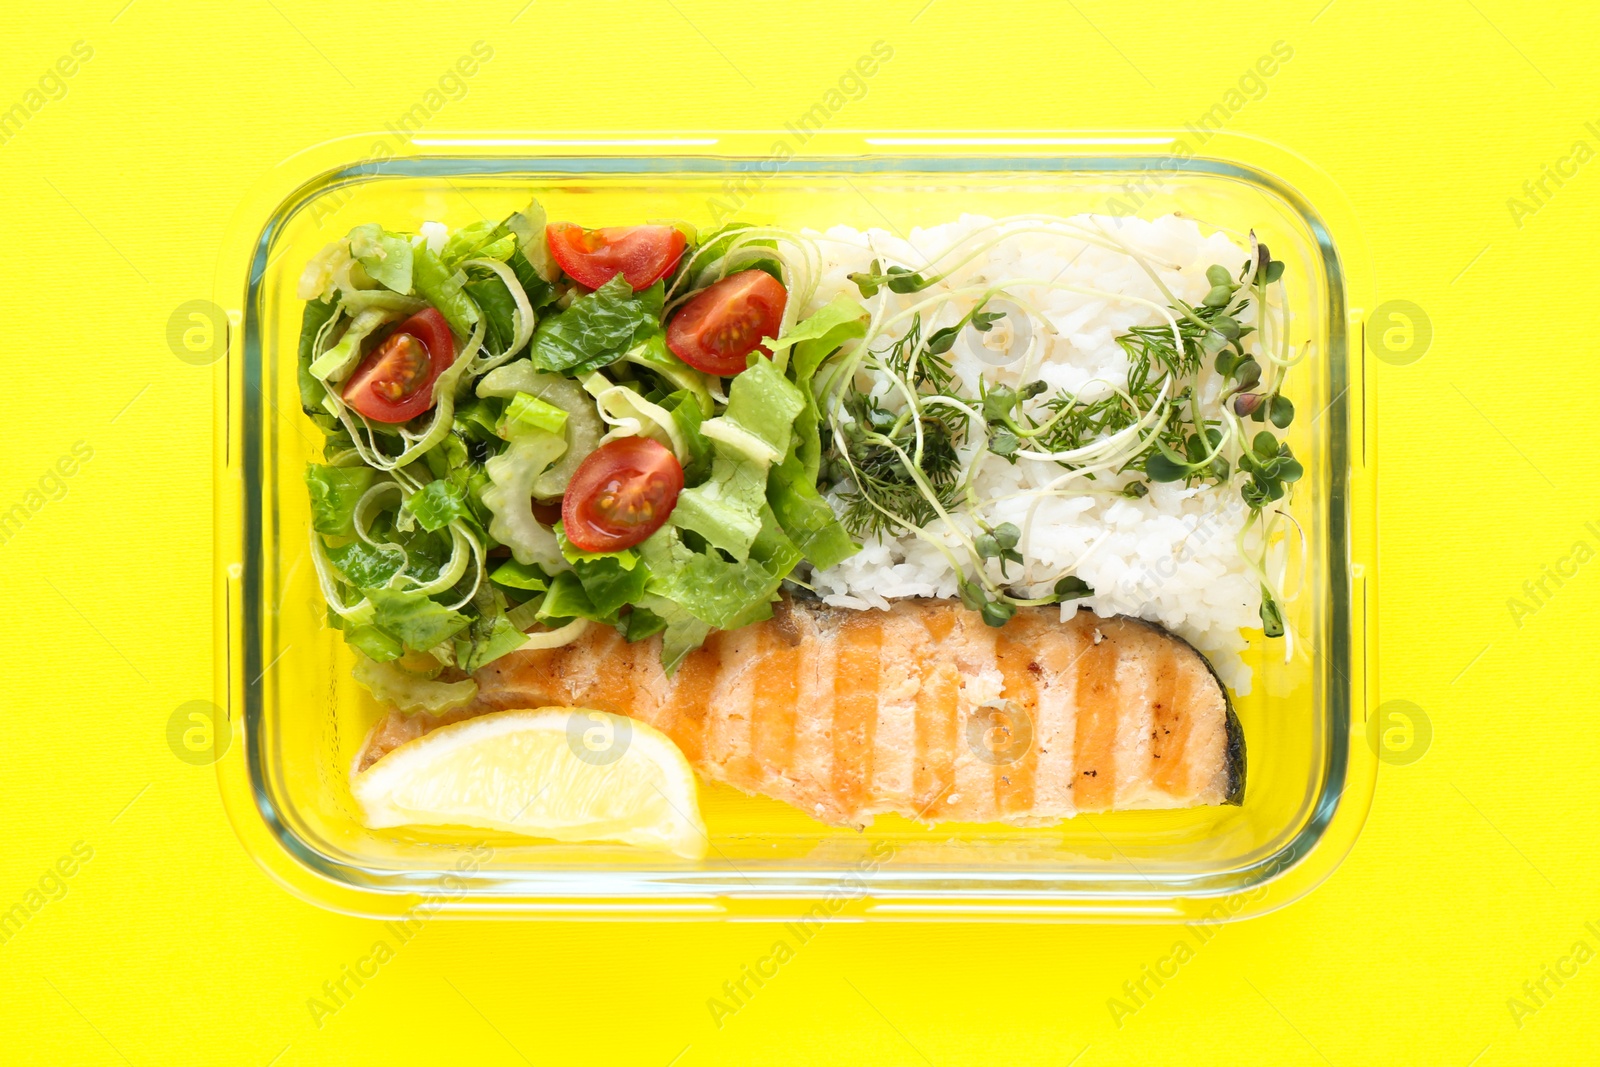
column 923, row 711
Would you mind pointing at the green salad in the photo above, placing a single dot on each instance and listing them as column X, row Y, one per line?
column 518, row 445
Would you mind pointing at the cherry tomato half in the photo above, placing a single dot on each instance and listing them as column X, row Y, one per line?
column 621, row 494
column 395, row 383
column 721, row 325
column 643, row 254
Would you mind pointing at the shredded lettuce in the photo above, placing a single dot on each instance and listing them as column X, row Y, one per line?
column 336, row 363
column 513, row 424
column 653, row 354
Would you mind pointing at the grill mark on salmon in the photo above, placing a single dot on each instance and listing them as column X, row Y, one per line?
column 690, row 702
column 894, row 741
column 774, row 702
column 1057, row 655
column 848, row 715
column 855, row 707
column 1094, row 785
column 728, row 733
column 1168, row 729
column 1013, row 778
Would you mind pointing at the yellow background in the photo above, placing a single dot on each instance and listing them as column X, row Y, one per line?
column 1476, row 868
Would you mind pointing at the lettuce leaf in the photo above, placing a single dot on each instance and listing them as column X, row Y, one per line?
column 441, row 287
column 567, row 599
column 478, row 240
column 499, row 309
column 487, row 639
column 437, row 504
column 609, row 579
column 396, row 687
column 374, row 643
column 643, row 623
column 411, row 618
column 312, row 319
column 541, row 294
column 814, row 340
column 717, row 592
column 681, row 632
column 597, row 329
column 747, row 438
column 805, row 515
column 762, row 405
column 792, row 487
column 685, row 411
column 514, row 575
column 364, row 565
column 386, row 257
column 609, row 585
column 334, row 493
column 726, row 508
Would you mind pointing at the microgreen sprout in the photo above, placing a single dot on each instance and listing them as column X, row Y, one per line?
column 906, row 455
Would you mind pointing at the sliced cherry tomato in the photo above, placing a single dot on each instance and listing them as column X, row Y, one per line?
column 621, row 494
column 395, row 383
column 717, row 329
column 643, row 254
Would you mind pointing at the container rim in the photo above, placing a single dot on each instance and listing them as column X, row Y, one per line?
column 1267, row 882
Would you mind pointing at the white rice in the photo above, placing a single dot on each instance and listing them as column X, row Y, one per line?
column 1170, row 557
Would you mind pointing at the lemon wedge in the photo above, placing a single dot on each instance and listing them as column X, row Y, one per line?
column 571, row 774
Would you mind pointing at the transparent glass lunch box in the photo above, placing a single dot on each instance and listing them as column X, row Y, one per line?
column 295, row 717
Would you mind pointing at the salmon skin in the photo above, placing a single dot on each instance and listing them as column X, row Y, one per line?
column 922, row 711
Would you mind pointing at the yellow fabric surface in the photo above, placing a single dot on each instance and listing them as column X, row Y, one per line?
column 1462, row 928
